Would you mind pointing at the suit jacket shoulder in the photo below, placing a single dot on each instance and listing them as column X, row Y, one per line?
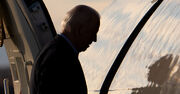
column 58, row 65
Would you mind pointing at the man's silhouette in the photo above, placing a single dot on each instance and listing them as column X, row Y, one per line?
column 57, row 69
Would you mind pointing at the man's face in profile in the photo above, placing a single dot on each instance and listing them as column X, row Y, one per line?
column 89, row 35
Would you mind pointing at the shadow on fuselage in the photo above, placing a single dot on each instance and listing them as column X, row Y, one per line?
column 163, row 77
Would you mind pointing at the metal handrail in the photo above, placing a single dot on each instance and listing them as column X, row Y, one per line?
column 6, row 86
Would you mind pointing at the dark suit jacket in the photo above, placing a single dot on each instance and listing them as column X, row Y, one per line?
column 58, row 70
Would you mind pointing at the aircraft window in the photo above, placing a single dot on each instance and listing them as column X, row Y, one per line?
column 114, row 68
column 117, row 22
column 152, row 64
column 118, row 19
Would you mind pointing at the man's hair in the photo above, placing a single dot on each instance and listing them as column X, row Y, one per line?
column 79, row 16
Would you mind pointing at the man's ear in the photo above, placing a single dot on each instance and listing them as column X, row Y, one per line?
column 82, row 30
column 77, row 31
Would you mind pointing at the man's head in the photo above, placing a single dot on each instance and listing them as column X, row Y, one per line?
column 81, row 25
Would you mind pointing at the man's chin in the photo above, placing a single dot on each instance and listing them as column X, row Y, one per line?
column 84, row 49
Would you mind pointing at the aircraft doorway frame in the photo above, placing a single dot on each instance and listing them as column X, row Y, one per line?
column 25, row 36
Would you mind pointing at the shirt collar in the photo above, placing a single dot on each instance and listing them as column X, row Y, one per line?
column 70, row 43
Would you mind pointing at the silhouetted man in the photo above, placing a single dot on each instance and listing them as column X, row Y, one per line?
column 57, row 69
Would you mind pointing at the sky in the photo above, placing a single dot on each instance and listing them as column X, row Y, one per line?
column 159, row 38
column 3, row 58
